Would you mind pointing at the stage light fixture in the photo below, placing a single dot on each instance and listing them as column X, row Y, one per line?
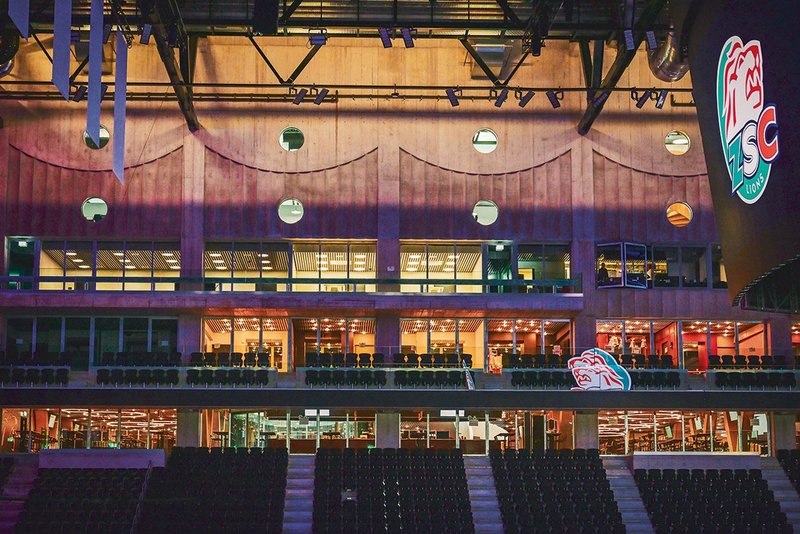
column 662, row 97
column 321, row 96
column 641, row 99
column 501, row 98
column 652, row 43
column 318, row 38
column 386, row 35
column 524, row 99
column 299, row 96
column 555, row 98
column 408, row 36
column 80, row 93
column 630, row 45
column 601, row 99
column 452, row 95
column 147, row 29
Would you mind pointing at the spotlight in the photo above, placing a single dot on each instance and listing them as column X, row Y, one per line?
column 408, row 37
column 524, row 99
column 630, row 45
column 321, row 96
column 536, row 47
column 147, row 29
column 641, row 99
column 662, row 97
column 386, row 35
column 106, row 33
column 395, row 93
column 501, row 98
column 555, row 98
column 600, row 100
column 652, row 44
column 301, row 94
column 80, row 93
column 452, row 95
column 318, row 39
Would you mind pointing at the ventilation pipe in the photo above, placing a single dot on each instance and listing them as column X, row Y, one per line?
column 668, row 62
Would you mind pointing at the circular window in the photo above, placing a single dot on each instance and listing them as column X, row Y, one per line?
column 104, row 137
column 679, row 214
column 94, row 209
column 290, row 210
column 485, row 212
column 484, row 141
column 291, row 139
column 677, row 143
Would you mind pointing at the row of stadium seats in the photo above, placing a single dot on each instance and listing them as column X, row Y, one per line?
column 564, row 379
column 227, row 377
column 132, row 376
column 741, row 361
column 755, row 379
column 232, row 359
column 790, row 461
column 349, row 359
column 342, row 377
column 431, row 379
column 39, row 358
column 427, row 360
column 32, row 376
column 146, row 359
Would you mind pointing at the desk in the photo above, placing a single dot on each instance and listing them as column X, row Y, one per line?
column 221, row 437
column 331, row 434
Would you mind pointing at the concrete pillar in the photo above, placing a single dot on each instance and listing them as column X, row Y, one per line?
column 189, row 428
column 586, row 434
column 779, row 341
column 585, row 333
column 387, row 430
column 189, row 332
column 783, row 431
column 387, row 334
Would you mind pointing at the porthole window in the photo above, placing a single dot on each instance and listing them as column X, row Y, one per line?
column 290, row 210
column 94, row 209
column 484, row 141
column 677, row 143
column 291, row 139
column 104, row 137
column 485, row 212
column 679, row 214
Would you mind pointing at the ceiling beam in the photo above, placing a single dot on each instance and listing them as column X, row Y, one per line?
column 161, row 19
column 620, row 65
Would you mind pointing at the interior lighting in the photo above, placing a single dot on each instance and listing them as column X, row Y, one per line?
column 408, row 36
column 555, row 98
column 524, row 99
column 501, row 98
column 321, row 96
column 452, row 95
column 386, row 35
column 299, row 96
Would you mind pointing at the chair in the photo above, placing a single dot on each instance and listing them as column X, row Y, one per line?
column 666, row 361
column 171, row 377
column 639, row 361
column 351, row 360
column 145, row 376
column 526, row 361
column 223, row 359
column 378, row 360
column 539, row 361
column 364, row 360
column 261, row 376
column 653, row 361
column 312, row 360
column 553, row 361
column 753, row 361
column 451, row 359
column 740, row 361
column 467, row 360
column 312, row 377
column 131, row 376
column 221, row 376
column 250, row 359
column 626, row 360
column 767, row 362
column 32, row 375
column 48, row 376
column 398, row 359
column 714, row 361
column 727, row 361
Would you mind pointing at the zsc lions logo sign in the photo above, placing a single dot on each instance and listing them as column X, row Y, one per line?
column 596, row 369
column 747, row 127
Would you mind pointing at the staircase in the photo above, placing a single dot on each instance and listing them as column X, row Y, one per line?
column 782, row 489
column 483, row 495
column 15, row 492
column 298, row 510
column 626, row 493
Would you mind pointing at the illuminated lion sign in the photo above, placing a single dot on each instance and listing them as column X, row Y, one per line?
column 747, row 128
column 598, row 370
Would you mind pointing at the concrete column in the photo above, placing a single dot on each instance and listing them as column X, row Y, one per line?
column 585, row 333
column 586, row 434
column 387, row 334
column 387, row 430
column 783, row 431
column 189, row 428
column 192, row 230
column 189, row 332
column 779, row 340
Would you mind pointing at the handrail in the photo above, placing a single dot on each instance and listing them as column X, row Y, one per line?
column 88, row 282
column 137, row 516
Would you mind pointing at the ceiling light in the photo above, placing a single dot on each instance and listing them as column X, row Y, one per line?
column 386, row 35
column 630, row 45
column 77, row 260
column 652, row 43
column 360, row 256
column 84, row 267
column 662, row 97
column 555, row 98
column 172, row 261
column 80, row 93
column 147, row 29
column 299, row 96
column 359, row 269
column 408, row 36
column 120, row 254
column 452, row 95
column 167, row 254
column 321, row 96
column 175, row 267
column 72, row 253
column 642, row 99
column 215, row 254
column 318, row 39
column 524, row 99
column 412, row 269
column 501, row 98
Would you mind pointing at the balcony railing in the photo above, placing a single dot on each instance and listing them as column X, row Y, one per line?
column 296, row 285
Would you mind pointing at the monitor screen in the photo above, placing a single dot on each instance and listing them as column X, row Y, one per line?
column 668, row 432
column 51, row 421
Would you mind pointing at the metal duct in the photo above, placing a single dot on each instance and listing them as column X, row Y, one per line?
column 667, row 62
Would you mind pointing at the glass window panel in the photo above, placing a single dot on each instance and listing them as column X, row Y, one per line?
column 274, row 343
column 217, row 334
column 635, row 265
column 106, row 337
column 246, row 337
column 110, row 260
column 559, row 429
column 306, row 261
column 274, row 264
column 166, row 264
column 218, row 264
column 128, row 430
column 609, row 336
column 165, row 335
column 557, row 335
column 361, row 336
column 665, row 267
column 134, row 335
column 500, row 343
column 363, row 265
column 48, row 336
column 609, row 265
column 163, row 428
column 697, row 431
column 413, row 261
column 442, row 261
column 557, row 262
column 19, row 337
column 530, row 263
column 104, row 428
column 725, row 431
column 21, row 256
column 500, row 266
column 471, row 340
column 79, row 262
column 138, row 265
column 332, row 334
column 722, row 335
column 665, row 341
column 640, row 431
column 76, row 341
column 53, row 262
column 796, row 338
column 719, row 276
column 751, row 338
column 754, row 428
column 414, row 336
column 693, row 267
column 694, row 336
column 304, row 338
column 669, row 435
column 637, row 337
column 469, row 266
column 246, row 264
column 332, row 264
column 74, row 423
column 529, row 336
column 611, row 432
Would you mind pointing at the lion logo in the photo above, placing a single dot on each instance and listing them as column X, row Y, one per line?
column 595, row 369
